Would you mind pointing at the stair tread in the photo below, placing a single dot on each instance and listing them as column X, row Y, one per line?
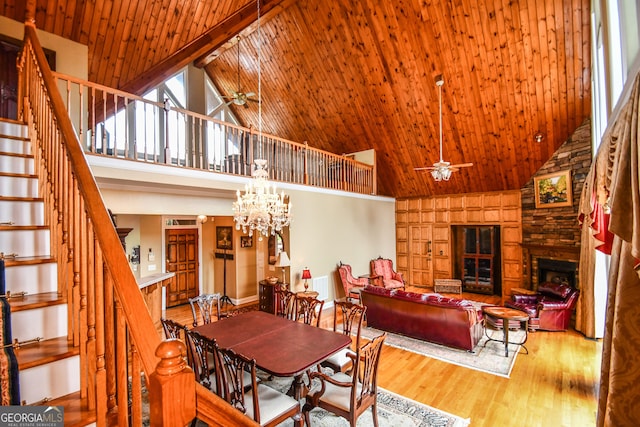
column 10, row 154
column 7, row 227
column 19, row 175
column 17, row 138
column 75, row 413
column 28, row 260
column 45, row 351
column 32, row 301
column 21, row 199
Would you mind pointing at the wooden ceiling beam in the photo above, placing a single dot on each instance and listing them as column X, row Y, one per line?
column 199, row 47
column 216, row 51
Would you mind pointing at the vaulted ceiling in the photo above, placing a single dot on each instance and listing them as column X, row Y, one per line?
column 346, row 76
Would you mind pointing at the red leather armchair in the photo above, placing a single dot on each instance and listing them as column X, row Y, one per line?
column 352, row 286
column 550, row 309
column 384, row 268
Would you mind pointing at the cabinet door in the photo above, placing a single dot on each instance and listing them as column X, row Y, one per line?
column 478, row 259
column 420, row 262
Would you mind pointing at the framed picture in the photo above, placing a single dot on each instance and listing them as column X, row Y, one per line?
column 246, row 241
column 224, row 237
column 553, row 190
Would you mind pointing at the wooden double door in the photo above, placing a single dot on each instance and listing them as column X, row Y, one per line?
column 182, row 259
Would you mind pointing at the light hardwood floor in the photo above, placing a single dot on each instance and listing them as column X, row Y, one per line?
column 554, row 385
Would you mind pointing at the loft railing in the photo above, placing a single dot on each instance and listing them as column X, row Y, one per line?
column 113, row 123
column 108, row 319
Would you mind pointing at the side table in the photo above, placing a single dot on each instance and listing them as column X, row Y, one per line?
column 313, row 294
column 374, row 279
column 522, row 291
column 506, row 314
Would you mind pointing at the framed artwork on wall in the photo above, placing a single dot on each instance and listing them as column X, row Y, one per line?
column 224, row 237
column 553, row 190
column 246, row 241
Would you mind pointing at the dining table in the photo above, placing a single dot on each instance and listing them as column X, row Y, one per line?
column 280, row 347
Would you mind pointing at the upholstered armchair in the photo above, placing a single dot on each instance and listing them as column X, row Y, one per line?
column 550, row 309
column 384, row 268
column 352, row 286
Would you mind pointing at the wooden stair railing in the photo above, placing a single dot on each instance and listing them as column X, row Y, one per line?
column 107, row 316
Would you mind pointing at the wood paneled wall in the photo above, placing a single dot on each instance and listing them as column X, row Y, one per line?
column 424, row 244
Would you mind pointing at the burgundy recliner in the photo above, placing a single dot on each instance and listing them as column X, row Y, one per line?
column 550, row 309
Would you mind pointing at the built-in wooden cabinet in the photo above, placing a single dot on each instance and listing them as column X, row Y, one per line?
column 477, row 258
column 425, row 242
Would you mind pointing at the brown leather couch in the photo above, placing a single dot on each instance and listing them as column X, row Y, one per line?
column 550, row 309
column 430, row 317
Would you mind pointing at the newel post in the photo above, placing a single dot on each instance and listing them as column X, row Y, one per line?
column 172, row 387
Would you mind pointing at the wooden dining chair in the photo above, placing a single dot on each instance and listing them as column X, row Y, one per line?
column 347, row 316
column 202, row 359
column 285, row 306
column 265, row 405
column 349, row 396
column 309, row 309
column 172, row 329
column 203, row 306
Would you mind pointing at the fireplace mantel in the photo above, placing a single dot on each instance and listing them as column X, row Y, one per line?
column 531, row 253
column 568, row 253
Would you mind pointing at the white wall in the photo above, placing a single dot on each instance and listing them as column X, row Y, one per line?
column 328, row 226
column 71, row 57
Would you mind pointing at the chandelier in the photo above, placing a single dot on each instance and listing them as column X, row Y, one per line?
column 261, row 208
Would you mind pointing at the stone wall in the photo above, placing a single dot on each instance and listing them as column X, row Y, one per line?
column 558, row 226
column 554, row 233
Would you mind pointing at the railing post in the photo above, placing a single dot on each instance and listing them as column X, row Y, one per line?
column 172, row 387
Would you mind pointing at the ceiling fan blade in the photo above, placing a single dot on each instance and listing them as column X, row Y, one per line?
column 428, row 168
column 250, row 94
column 462, row 165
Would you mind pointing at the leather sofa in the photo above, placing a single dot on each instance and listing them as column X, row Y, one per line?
column 431, row 317
column 550, row 309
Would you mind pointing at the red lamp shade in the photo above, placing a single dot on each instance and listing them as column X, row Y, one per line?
column 306, row 274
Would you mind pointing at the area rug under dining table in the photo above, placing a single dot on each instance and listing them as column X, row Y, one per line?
column 488, row 358
column 393, row 411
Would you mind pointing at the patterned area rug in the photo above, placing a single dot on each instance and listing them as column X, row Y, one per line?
column 393, row 411
column 486, row 357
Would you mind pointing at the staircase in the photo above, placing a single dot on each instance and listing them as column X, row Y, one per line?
column 48, row 361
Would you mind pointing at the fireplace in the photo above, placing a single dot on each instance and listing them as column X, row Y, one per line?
column 546, row 263
column 557, row 271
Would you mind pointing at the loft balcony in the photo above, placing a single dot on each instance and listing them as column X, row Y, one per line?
column 121, row 125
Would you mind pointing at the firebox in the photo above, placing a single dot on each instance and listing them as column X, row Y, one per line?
column 556, row 271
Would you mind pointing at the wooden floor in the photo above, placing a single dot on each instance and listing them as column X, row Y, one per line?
column 554, row 385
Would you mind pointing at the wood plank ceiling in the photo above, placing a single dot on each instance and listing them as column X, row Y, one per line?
column 348, row 76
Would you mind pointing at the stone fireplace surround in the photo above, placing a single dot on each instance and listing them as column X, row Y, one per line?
column 544, row 262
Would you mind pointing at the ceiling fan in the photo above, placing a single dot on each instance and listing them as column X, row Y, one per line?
column 238, row 97
column 441, row 170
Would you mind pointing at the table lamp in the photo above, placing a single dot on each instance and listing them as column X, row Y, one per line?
column 306, row 275
column 283, row 262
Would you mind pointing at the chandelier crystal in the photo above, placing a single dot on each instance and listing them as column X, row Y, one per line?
column 261, row 208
